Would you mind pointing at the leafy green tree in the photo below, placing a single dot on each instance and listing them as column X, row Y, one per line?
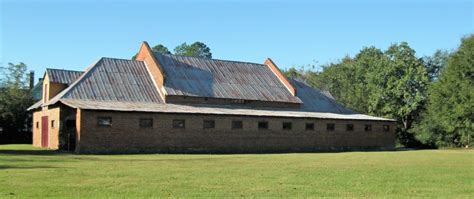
column 15, row 98
column 196, row 49
column 398, row 89
column 160, row 49
column 389, row 84
column 449, row 120
column 435, row 63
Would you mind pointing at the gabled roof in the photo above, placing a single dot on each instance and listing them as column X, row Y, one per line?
column 62, row 76
column 126, row 85
column 112, row 79
column 201, row 77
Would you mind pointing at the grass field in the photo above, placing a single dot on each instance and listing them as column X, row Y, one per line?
column 29, row 172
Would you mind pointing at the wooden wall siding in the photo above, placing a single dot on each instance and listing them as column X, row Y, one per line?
column 115, row 80
column 125, row 135
column 213, row 78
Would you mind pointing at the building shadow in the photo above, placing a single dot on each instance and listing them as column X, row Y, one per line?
column 26, row 167
column 32, row 152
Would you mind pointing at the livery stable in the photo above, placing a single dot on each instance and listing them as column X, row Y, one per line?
column 177, row 104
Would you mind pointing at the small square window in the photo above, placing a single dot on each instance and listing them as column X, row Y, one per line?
column 287, row 125
column 104, row 121
column 386, row 128
column 331, row 126
column 349, row 127
column 52, row 124
column 368, row 127
column 179, row 124
column 262, row 125
column 37, row 125
column 208, row 124
column 237, row 124
column 146, row 123
column 309, row 126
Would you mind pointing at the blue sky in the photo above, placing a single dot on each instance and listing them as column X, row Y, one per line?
column 73, row 34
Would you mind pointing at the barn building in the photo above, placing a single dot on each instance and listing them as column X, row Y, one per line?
column 178, row 104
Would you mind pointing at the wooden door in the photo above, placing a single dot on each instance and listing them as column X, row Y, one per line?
column 44, row 131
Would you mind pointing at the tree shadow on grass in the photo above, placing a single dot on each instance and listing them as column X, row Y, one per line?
column 25, row 167
column 33, row 152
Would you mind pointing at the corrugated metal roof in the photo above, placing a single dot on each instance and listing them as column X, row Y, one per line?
column 201, row 77
column 116, row 80
column 315, row 100
column 35, row 105
column 217, row 110
column 126, row 85
column 62, row 76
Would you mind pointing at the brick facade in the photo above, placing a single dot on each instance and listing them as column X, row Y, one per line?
column 53, row 129
column 125, row 134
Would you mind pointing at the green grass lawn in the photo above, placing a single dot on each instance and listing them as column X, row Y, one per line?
column 30, row 172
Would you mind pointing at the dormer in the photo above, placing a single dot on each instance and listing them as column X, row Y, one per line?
column 56, row 80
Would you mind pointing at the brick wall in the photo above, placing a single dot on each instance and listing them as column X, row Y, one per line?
column 125, row 135
column 37, row 128
column 53, row 115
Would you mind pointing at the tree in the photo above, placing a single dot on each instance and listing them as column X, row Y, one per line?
column 160, row 49
column 15, row 98
column 197, row 49
column 435, row 63
column 449, row 119
column 388, row 84
column 398, row 89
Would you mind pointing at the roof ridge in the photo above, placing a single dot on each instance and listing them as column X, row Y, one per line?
column 121, row 59
column 64, row 70
column 203, row 58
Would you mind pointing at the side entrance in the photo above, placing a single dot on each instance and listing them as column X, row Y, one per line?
column 44, row 132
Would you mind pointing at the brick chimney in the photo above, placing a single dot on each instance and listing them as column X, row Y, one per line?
column 32, row 80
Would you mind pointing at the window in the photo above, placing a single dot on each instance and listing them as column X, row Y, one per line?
column 37, row 125
column 146, row 123
column 309, row 126
column 104, row 121
column 386, row 128
column 178, row 124
column 262, row 125
column 286, row 125
column 349, row 127
column 237, row 124
column 330, row 126
column 208, row 124
column 368, row 127
column 52, row 124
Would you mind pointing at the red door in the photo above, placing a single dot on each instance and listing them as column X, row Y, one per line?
column 44, row 131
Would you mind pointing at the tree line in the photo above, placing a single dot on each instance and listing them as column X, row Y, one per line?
column 430, row 97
